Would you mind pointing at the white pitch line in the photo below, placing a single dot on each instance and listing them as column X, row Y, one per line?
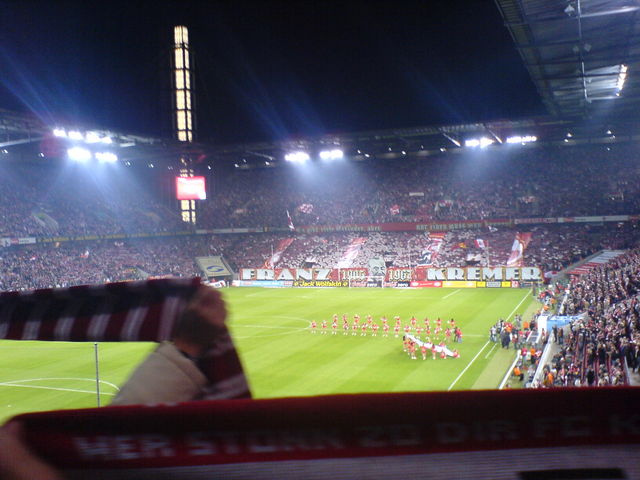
column 53, row 388
column 518, row 306
column 452, row 293
column 492, row 349
column 92, row 380
column 484, row 346
column 468, row 365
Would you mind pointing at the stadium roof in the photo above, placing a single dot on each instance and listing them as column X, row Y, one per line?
column 25, row 134
column 578, row 53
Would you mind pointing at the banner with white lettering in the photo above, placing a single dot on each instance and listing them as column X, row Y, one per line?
column 276, row 255
column 430, row 252
column 589, row 433
column 527, row 274
column 520, row 243
column 351, row 252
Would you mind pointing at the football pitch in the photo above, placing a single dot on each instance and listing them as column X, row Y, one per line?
column 281, row 356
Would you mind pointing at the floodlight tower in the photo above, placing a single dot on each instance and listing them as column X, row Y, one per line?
column 183, row 103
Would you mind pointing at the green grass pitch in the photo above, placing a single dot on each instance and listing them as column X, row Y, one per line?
column 281, row 356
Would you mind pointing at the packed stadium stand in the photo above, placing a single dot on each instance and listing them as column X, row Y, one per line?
column 602, row 348
column 540, row 182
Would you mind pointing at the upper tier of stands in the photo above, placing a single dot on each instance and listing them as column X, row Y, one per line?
column 47, row 200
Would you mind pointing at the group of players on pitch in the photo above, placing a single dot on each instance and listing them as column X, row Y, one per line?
column 414, row 328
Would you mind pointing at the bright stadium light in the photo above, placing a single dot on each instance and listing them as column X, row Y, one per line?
column 622, row 76
column 79, row 154
column 59, row 132
column 478, row 142
column 328, row 155
column 297, row 157
column 522, row 139
column 106, row 157
column 92, row 137
column 75, row 135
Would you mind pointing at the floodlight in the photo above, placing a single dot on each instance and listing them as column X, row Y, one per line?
column 92, row 137
column 478, row 142
column 335, row 154
column 106, row 157
column 297, row 157
column 59, row 132
column 75, row 135
column 622, row 76
column 522, row 139
column 79, row 154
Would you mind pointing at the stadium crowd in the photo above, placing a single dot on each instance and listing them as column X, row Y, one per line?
column 49, row 200
column 70, row 263
column 608, row 334
column 481, row 185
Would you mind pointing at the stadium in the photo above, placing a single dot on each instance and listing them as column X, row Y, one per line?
column 400, row 294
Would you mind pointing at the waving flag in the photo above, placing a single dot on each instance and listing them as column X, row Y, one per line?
column 290, row 222
column 520, row 243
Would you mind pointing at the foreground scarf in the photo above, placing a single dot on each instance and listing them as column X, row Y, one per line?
column 146, row 311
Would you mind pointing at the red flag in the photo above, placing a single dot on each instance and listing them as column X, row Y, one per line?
column 482, row 244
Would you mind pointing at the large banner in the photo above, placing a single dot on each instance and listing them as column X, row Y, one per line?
column 430, row 252
column 351, row 253
column 277, row 253
column 377, row 267
column 399, row 274
column 213, row 266
column 520, row 243
column 490, row 275
column 8, row 242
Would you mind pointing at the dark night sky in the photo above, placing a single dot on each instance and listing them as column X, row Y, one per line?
column 266, row 70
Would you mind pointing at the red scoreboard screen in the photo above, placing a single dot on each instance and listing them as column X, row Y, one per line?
column 190, row 188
